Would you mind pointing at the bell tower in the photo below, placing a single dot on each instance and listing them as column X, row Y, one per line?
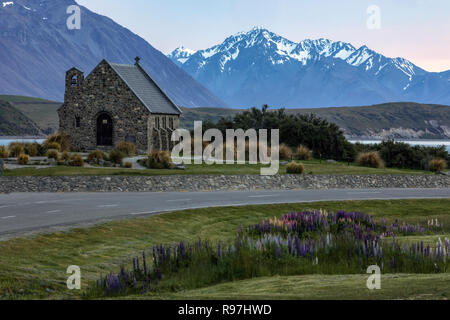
column 74, row 79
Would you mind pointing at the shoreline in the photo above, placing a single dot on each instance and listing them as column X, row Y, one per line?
column 22, row 137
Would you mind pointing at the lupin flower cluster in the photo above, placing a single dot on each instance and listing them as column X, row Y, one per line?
column 297, row 243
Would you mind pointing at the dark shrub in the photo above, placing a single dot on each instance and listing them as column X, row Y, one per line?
column 116, row 156
column 31, row 149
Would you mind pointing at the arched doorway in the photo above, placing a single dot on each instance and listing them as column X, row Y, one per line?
column 104, row 130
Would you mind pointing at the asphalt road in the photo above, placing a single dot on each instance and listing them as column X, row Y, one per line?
column 25, row 212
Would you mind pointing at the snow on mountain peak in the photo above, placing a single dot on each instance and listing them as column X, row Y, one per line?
column 181, row 54
column 264, row 45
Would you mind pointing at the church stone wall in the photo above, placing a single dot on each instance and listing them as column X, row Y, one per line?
column 102, row 92
column 160, row 135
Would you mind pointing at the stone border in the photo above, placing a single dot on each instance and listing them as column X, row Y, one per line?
column 216, row 183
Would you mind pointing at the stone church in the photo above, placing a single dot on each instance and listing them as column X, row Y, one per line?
column 117, row 102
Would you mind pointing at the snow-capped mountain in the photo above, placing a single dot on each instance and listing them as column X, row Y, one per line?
column 181, row 55
column 259, row 66
column 36, row 49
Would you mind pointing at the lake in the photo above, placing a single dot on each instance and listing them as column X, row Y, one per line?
column 428, row 143
column 5, row 142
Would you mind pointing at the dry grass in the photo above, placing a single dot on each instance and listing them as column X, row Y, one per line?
column 16, row 149
column 438, row 164
column 128, row 148
column 370, row 159
column 303, row 153
column 59, row 138
column 23, row 159
column 159, row 160
column 295, row 168
column 76, row 161
column 4, row 153
column 285, row 152
column 53, row 154
column 95, row 156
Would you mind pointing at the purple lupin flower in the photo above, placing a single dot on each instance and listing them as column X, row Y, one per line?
column 158, row 274
column 144, row 262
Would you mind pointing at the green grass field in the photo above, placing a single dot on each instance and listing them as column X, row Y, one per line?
column 311, row 167
column 35, row 267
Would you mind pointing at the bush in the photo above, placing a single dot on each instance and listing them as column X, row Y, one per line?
column 370, row 159
column 295, row 168
column 16, row 149
column 128, row 148
column 437, row 165
column 325, row 138
column 96, row 156
column 303, row 153
column 159, row 160
column 76, row 161
column 128, row 165
column 65, row 156
column 23, row 159
column 32, row 149
column 403, row 155
column 62, row 139
column 116, row 156
column 53, row 146
column 285, row 152
column 4, row 153
column 53, row 154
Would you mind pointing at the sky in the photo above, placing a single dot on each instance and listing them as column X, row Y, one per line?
column 418, row 30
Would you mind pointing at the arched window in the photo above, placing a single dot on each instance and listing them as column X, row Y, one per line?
column 74, row 81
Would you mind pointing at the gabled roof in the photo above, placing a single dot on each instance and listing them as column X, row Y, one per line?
column 145, row 88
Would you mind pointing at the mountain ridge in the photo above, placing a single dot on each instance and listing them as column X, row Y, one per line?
column 259, row 66
column 37, row 48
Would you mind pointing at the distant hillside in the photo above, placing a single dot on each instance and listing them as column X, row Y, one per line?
column 390, row 120
column 212, row 114
column 15, row 123
column 42, row 112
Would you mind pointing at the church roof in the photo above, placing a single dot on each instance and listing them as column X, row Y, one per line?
column 145, row 88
